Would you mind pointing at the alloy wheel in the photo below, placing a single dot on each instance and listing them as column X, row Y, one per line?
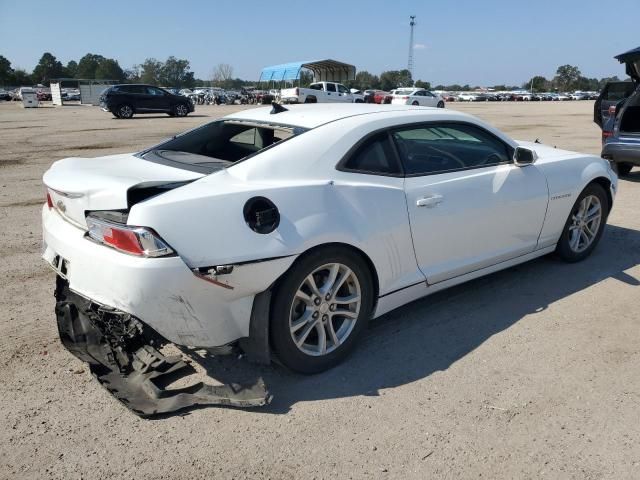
column 325, row 309
column 585, row 223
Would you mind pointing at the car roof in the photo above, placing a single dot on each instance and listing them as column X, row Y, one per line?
column 314, row 115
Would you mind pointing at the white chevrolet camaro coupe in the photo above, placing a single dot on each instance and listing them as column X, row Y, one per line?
column 284, row 230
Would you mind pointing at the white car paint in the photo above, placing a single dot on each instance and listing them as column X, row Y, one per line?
column 486, row 219
column 415, row 97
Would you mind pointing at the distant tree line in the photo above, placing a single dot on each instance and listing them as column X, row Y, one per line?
column 176, row 72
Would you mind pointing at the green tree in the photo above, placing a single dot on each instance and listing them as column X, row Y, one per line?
column 21, row 78
column 176, row 73
column 151, row 71
column 365, row 80
column 88, row 65
column 48, row 67
column 71, row 68
column 6, row 72
column 109, row 69
column 421, row 84
column 395, row 79
column 540, row 84
column 566, row 77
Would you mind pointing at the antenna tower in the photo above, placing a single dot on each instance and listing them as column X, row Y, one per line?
column 410, row 62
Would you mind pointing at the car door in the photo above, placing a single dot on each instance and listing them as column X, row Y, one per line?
column 155, row 100
column 430, row 100
column 469, row 206
column 344, row 95
column 331, row 93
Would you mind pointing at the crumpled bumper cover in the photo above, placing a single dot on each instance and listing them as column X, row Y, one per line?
column 122, row 355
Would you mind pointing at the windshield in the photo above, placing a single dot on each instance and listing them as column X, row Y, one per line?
column 219, row 144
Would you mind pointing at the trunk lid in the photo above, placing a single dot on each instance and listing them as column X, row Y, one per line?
column 80, row 184
column 632, row 60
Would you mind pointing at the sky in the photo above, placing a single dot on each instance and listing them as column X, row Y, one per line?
column 479, row 43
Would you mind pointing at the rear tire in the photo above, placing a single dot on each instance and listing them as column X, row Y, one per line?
column 440, row 104
column 415, row 103
column 308, row 331
column 583, row 229
column 624, row 168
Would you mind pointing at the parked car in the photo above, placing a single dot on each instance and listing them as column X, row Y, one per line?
column 4, row 95
column 288, row 229
column 466, row 97
column 124, row 101
column 320, row 92
column 416, row 96
column 622, row 147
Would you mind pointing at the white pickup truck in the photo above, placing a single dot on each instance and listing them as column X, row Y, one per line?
column 320, row 92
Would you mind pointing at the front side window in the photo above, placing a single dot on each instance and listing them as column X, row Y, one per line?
column 375, row 155
column 439, row 148
column 342, row 89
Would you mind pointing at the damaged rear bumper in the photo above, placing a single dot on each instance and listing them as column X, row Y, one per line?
column 123, row 356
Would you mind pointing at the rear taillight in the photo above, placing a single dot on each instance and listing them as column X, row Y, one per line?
column 139, row 241
column 606, row 135
column 405, row 98
column 49, row 201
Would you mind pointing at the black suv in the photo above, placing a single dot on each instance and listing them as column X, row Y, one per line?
column 123, row 101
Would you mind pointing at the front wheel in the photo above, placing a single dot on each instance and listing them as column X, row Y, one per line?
column 585, row 224
column 320, row 309
column 181, row 110
column 125, row 111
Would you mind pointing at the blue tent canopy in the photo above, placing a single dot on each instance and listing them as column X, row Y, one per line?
column 323, row 70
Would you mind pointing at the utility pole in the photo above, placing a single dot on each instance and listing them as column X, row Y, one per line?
column 410, row 62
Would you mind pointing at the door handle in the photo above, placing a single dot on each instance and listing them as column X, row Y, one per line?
column 430, row 202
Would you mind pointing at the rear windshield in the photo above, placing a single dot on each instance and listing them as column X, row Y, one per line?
column 619, row 90
column 219, row 144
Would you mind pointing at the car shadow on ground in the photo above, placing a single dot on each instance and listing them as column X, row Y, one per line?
column 634, row 176
column 431, row 334
column 164, row 115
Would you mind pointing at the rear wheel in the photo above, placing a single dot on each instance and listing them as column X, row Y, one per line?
column 585, row 224
column 415, row 103
column 624, row 168
column 320, row 309
column 440, row 104
column 125, row 111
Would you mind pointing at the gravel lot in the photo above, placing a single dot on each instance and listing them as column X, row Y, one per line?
column 528, row 373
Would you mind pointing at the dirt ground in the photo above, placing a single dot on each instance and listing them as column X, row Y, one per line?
column 528, row 373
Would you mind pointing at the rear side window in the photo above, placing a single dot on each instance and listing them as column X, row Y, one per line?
column 375, row 155
column 439, row 148
column 331, row 87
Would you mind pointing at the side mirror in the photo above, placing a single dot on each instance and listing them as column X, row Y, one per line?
column 524, row 156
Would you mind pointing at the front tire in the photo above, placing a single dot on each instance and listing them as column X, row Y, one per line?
column 181, row 110
column 320, row 309
column 585, row 224
column 125, row 111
